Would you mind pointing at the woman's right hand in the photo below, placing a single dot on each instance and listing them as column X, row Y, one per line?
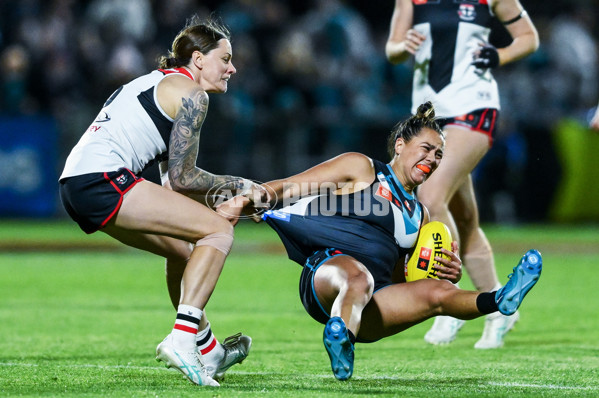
column 413, row 41
column 452, row 264
column 256, row 193
column 251, row 202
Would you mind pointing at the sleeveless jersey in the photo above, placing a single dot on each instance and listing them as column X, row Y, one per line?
column 442, row 70
column 376, row 226
column 131, row 130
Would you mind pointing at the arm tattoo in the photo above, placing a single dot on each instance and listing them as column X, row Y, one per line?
column 184, row 175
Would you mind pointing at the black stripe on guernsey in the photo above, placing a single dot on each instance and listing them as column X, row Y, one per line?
column 444, row 18
column 188, row 318
column 164, row 126
column 441, row 63
column 205, row 339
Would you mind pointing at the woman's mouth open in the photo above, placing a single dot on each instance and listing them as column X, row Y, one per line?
column 424, row 168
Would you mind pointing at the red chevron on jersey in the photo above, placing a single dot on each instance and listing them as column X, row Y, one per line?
column 183, row 71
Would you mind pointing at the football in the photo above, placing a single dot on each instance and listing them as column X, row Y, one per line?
column 433, row 237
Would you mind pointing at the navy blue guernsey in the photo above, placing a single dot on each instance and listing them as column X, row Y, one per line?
column 377, row 226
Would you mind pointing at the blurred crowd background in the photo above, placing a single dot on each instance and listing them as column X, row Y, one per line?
column 312, row 82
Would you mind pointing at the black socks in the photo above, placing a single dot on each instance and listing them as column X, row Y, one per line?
column 485, row 302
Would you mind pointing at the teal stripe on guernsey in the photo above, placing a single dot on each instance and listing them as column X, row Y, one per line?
column 399, row 184
column 411, row 223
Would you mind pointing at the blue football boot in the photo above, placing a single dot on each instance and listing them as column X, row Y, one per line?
column 522, row 279
column 339, row 347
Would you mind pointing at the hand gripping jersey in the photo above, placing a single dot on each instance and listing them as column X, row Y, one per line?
column 377, row 226
column 130, row 131
column 442, row 70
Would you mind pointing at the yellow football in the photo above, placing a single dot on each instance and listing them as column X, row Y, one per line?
column 433, row 237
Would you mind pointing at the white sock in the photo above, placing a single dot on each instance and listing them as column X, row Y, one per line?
column 186, row 327
column 207, row 344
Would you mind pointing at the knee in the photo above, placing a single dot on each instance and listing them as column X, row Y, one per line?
column 360, row 284
column 466, row 220
column 220, row 239
column 434, row 204
column 179, row 255
column 438, row 295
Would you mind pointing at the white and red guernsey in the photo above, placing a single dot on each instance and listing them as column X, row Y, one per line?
column 442, row 70
column 131, row 130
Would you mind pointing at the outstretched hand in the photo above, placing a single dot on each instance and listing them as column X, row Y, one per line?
column 233, row 208
column 452, row 267
column 238, row 207
column 257, row 194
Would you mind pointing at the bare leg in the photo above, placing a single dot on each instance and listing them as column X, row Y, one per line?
column 464, row 149
column 400, row 306
column 174, row 275
column 161, row 221
column 477, row 255
column 143, row 212
column 176, row 252
column 344, row 286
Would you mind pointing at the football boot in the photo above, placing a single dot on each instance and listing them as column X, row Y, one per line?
column 524, row 276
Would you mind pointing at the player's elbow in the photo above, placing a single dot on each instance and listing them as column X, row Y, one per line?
column 393, row 53
column 179, row 187
column 533, row 42
column 179, row 183
column 536, row 42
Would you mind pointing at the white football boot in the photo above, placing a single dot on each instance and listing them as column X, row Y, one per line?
column 187, row 362
column 444, row 330
column 496, row 327
column 237, row 348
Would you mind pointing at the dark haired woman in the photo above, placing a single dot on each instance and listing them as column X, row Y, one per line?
column 158, row 117
column 353, row 240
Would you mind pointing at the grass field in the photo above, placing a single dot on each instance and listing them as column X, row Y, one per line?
column 81, row 316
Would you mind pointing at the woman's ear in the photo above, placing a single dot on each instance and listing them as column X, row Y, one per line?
column 197, row 58
column 399, row 145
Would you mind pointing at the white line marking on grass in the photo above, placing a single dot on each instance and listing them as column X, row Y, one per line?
column 87, row 365
column 543, row 386
column 320, row 376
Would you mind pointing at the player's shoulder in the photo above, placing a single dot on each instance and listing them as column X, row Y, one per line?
column 174, row 89
column 178, row 82
column 356, row 159
column 358, row 166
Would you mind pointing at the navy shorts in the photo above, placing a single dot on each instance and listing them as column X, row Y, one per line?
column 481, row 120
column 306, row 285
column 93, row 199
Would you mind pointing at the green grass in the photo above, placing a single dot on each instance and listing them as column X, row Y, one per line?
column 81, row 316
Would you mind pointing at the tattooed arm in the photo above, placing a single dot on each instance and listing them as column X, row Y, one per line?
column 184, row 175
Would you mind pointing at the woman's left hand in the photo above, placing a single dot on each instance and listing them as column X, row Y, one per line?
column 232, row 208
column 452, row 267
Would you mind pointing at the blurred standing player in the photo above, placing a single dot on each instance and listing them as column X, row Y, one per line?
column 452, row 68
column 158, row 117
column 594, row 124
